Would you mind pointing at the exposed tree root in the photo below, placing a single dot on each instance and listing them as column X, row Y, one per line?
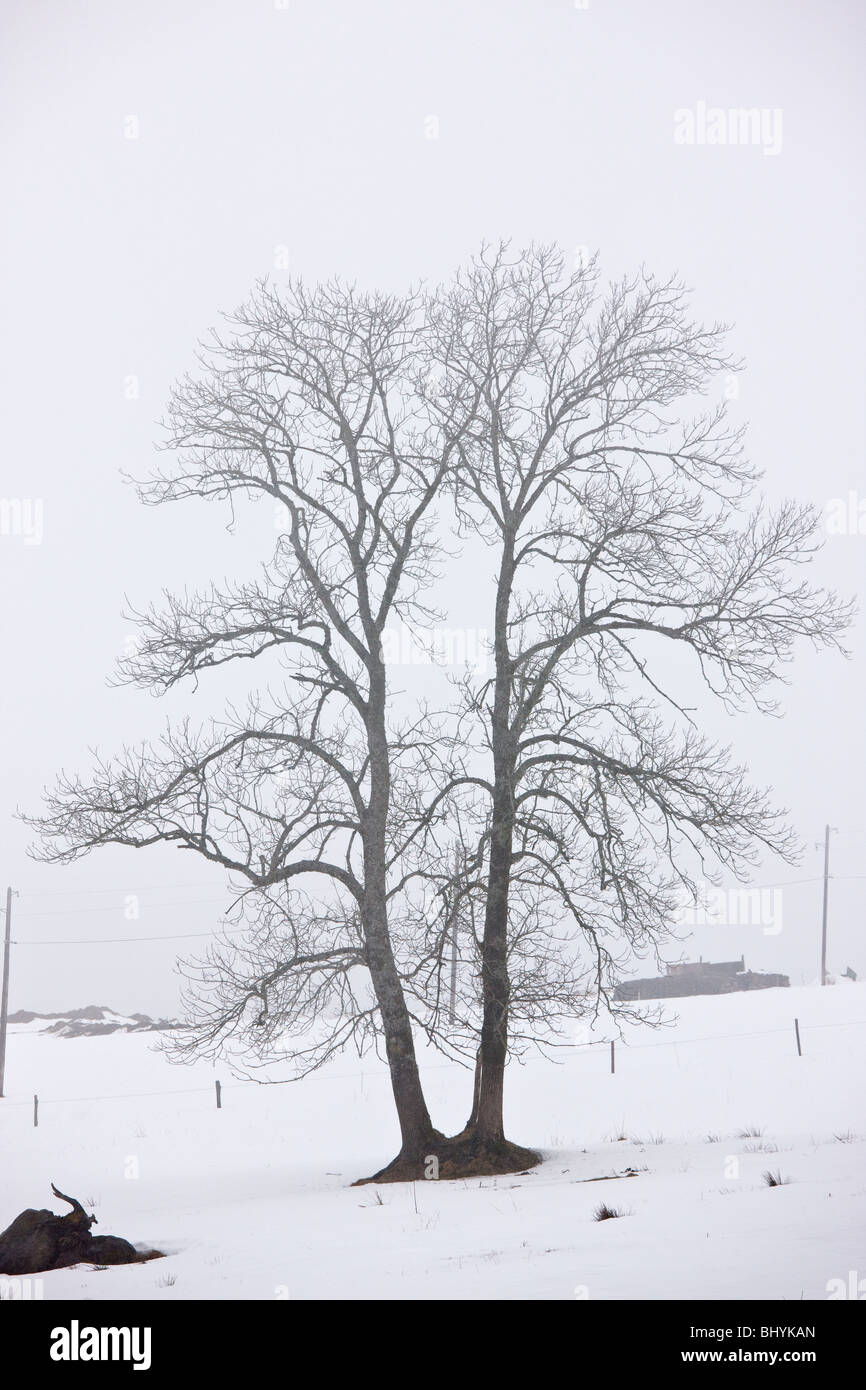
column 463, row 1156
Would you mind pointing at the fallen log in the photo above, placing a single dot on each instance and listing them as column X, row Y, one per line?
column 40, row 1240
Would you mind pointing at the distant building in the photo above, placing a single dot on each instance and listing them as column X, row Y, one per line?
column 699, row 977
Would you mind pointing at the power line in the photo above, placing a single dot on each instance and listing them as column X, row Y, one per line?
column 204, row 902
column 78, row 892
column 124, row 940
column 84, row 911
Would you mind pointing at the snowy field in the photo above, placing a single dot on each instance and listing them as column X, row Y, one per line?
column 253, row 1201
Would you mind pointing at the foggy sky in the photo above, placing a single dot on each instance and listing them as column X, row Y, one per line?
column 157, row 158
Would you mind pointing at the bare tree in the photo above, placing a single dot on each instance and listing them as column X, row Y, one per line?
column 621, row 531
column 310, row 399
column 572, row 791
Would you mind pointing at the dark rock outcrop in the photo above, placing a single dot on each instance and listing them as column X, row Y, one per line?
column 93, row 1021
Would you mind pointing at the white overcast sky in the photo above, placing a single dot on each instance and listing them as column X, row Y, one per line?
column 307, row 126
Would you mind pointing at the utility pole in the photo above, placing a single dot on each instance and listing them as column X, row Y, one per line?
column 4, row 999
column 824, row 917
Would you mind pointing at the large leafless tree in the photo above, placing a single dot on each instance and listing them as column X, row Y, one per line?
column 555, row 818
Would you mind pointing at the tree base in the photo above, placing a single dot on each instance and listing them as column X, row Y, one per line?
column 463, row 1156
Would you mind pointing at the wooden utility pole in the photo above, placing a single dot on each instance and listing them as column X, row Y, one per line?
column 824, row 917
column 4, row 998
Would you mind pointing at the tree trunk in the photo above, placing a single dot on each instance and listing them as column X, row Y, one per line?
column 416, row 1129
column 476, row 1095
column 489, row 1125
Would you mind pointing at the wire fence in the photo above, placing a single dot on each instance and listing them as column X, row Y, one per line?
column 616, row 1046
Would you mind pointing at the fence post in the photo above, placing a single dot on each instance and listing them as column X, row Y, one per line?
column 35, row 1112
column 612, row 1057
column 219, row 1095
column 797, row 1036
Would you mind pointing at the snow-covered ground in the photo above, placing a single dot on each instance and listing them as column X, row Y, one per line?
column 253, row 1201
